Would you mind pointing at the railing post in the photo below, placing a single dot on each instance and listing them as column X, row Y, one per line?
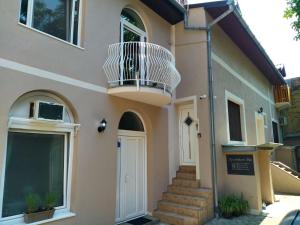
column 137, row 81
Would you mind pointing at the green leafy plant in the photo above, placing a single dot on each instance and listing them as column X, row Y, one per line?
column 232, row 206
column 33, row 202
column 293, row 12
column 50, row 200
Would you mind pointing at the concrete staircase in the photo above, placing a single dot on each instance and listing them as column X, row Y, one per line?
column 286, row 168
column 185, row 203
column 285, row 179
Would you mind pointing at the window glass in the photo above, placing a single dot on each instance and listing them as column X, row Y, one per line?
column 54, row 17
column 275, row 132
column 23, row 13
column 133, row 18
column 130, row 121
column 234, row 117
column 34, row 164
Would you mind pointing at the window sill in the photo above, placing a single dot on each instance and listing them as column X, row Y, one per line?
column 49, row 35
column 57, row 216
column 238, row 143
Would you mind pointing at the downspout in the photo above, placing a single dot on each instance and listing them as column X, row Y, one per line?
column 208, row 28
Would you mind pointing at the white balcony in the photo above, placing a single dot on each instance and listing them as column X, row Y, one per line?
column 141, row 72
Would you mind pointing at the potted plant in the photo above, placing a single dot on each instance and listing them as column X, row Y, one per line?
column 38, row 210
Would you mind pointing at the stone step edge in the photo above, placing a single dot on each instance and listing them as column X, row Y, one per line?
column 181, row 217
column 181, row 205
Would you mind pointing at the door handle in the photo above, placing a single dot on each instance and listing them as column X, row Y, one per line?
column 126, row 178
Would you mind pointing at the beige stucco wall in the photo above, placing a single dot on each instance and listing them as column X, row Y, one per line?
column 94, row 176
column 101, row 27
column 94, row 170
column 191, row 61
column 228, row 61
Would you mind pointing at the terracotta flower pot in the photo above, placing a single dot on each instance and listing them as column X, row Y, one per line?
column 38, row 216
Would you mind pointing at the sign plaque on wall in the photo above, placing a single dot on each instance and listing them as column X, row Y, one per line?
column 240, row 165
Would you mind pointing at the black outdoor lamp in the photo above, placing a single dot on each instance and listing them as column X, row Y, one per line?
column 102, row 126
column 260, row 110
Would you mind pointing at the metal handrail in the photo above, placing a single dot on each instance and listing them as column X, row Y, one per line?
column 141, row 64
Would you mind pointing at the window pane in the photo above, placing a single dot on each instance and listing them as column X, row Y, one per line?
column 130, row 121
column 34, row 164
column 234, row 115
column 76, row 22
column 23, row 13
column 275, row 132
column 53, row 17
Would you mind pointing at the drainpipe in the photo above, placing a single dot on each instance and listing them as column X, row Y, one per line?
column 208, row 28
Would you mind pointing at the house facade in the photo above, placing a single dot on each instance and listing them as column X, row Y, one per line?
column 107, row 103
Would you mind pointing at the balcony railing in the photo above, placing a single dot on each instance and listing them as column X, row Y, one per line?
column 141, row 64
column 282, row 95
column 182, row 2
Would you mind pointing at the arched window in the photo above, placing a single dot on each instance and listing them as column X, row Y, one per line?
column 132, row 27
column 38, row 155
column 131, row 121
column 133, row 53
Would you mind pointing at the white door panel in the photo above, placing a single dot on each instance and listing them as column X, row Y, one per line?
column 132, row 178
column 187, row 135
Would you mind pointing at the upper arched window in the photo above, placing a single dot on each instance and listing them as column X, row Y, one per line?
column 133, row 18
column 132, row 27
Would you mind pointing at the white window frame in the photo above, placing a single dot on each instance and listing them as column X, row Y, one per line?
column 237, row 100
column 50, row 127
column 29, row 20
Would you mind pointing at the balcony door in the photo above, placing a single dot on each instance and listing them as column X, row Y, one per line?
column 133, row 50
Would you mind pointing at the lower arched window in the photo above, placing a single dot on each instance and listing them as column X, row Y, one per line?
column 38, row 154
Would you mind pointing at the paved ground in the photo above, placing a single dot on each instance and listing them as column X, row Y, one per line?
column 274, row 213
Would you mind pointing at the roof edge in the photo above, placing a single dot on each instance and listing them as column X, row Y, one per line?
column 257, row 43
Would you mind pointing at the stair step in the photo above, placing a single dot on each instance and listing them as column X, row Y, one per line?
column 187, row 169
column 197, row 192
column 184, row 210
column 175, row 219
column 186, row 183
column 183, row 175
column 185, row 200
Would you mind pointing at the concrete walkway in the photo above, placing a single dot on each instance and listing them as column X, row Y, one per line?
column 274, row 213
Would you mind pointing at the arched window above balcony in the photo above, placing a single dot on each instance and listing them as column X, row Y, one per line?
column 133, row 18
column 132, row 27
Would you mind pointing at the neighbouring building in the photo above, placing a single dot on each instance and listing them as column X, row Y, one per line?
column 124, row 108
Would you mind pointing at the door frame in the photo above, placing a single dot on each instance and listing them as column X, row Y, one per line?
column 128, row 133
column 187, row 101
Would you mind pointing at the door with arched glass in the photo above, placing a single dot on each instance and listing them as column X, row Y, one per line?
column 131, row 168
column 133, row 53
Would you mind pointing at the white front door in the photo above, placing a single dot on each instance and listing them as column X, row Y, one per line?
column 187, row 134
column 131, row 177
column 260, row 129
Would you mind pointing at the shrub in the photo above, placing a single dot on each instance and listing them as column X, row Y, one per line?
column 231, row 206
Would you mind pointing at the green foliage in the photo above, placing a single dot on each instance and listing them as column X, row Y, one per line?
column 33, row 202
column 50, row 200
column 293, row 12
column 231, row 206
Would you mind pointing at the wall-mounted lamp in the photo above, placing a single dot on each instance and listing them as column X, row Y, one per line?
column 260, row 110
column 102, row 126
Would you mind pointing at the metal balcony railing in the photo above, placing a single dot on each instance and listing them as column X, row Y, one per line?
column 141, row 64
column 282, row 94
